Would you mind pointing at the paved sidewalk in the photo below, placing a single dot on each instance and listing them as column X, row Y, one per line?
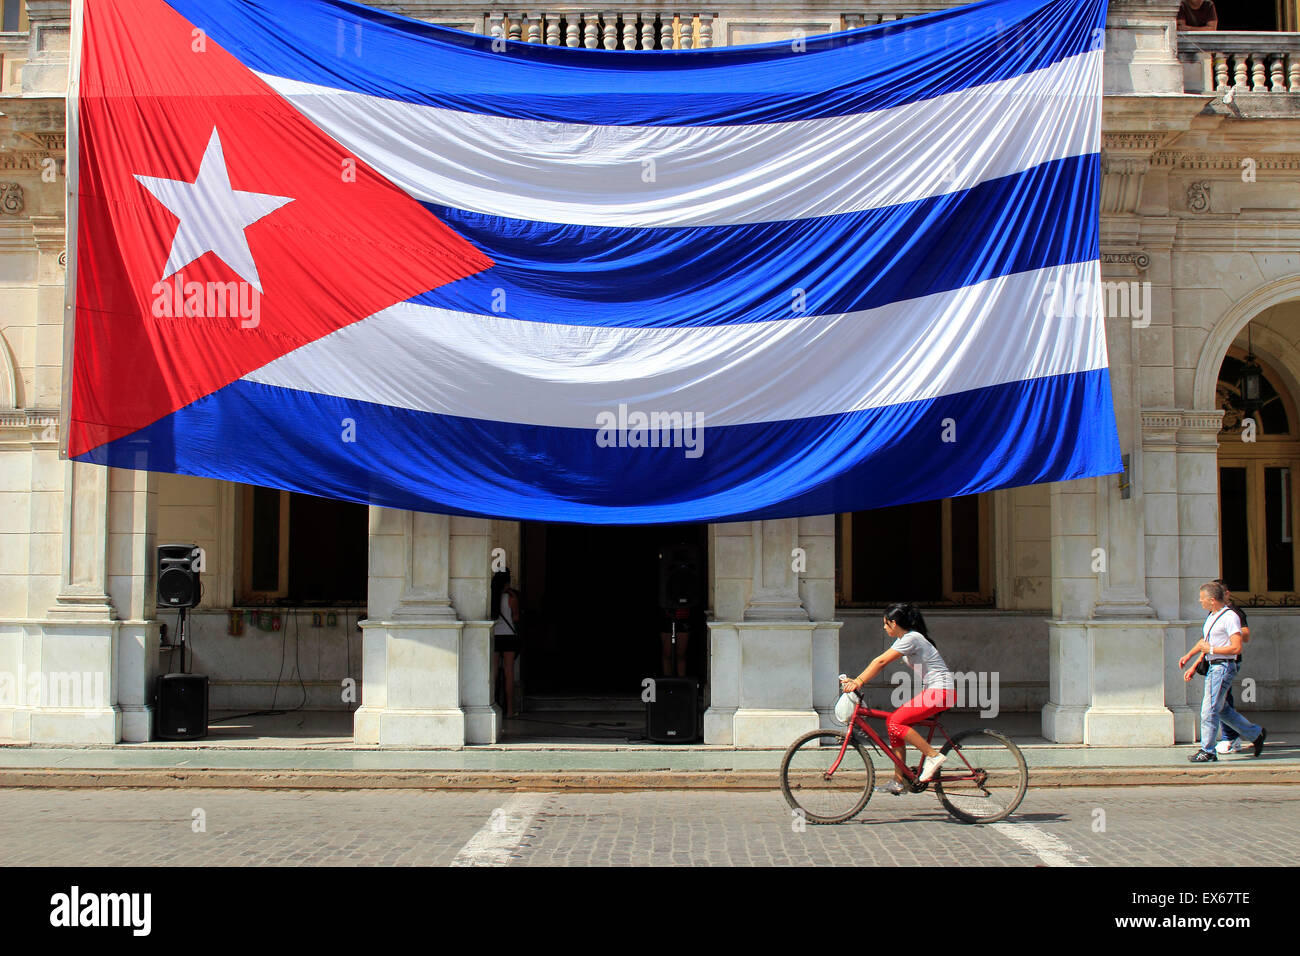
column 584, row 765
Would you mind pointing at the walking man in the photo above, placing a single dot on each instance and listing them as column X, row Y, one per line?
column 1221, row 643
column 1229, row 739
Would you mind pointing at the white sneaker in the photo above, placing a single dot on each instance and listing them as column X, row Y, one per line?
column 1229, row 746
column 893, row 787
column 931, row 765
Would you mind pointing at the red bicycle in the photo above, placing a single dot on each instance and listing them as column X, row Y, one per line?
column 828, row 776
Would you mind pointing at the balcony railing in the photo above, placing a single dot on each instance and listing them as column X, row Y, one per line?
column 1243, row 62
column 627, row 30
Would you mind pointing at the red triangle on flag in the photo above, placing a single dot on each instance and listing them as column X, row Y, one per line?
column 348, row 243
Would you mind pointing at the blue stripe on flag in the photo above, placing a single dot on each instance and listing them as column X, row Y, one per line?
column 722, row 275
column 350, row 47
column 1056, row 428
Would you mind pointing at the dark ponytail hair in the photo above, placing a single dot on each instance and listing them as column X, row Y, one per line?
column 500, row 584
column 908, row 617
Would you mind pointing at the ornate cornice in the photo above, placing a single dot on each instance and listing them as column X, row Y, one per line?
column 1131, row 142
column 1177, row 159
column 49, row 140
column 27, row 159
column 1161, row 426
column 29, row 426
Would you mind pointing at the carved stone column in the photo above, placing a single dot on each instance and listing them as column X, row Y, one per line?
column 80, row 634
column 412, row 640
column 772, row 669
column 1198, row 553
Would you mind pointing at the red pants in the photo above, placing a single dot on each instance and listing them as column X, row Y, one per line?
column 928, row 703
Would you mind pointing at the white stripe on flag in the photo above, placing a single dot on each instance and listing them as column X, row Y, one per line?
column 713, row 175
column 500, row 369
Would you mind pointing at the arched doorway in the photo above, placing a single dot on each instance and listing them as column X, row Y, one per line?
column 1259, row 460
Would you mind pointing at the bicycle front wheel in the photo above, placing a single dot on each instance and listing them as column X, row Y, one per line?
column 984, row 778
column 809, row 789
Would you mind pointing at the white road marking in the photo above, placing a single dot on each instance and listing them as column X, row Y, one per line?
column 1048, row 847
column 503, row 832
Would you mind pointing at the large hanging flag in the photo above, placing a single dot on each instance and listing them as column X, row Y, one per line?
column 324, row 248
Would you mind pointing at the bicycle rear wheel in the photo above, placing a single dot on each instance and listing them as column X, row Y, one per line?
column 984, row 778
column 806, row 786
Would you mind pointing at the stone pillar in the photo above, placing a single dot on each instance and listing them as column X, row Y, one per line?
column 1198, row 554
column 772, row 668
column 426, row 651
column 1108, row 653
column 1125, row 640
column 411, row 647
column 817, row 593
column 470, row 590
column 80, row 635
column 1074, row 592
column 132, row 586
column 1160, row 428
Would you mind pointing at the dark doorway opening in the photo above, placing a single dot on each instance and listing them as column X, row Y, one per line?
column 1249, row 15
column 591, row 609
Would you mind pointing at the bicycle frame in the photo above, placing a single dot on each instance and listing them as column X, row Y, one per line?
column 859, row 721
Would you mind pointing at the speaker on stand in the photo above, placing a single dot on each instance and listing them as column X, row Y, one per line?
column 180, row 699
column 672, row 713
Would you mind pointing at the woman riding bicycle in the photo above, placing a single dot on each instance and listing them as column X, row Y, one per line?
column 904, row 623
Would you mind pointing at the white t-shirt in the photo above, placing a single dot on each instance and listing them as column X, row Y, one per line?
column 1218, row 628
column 924, row 659
column 504, row 618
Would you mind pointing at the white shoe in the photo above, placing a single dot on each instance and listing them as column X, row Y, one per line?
column 931, row 765
column 893, row 788
column 1229, row 746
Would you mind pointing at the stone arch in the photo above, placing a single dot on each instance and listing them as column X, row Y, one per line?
column 1225, row 332
column 8, row 377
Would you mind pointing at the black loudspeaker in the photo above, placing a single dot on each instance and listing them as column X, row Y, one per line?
column 679, row 578
column 182, row 707
column 673, row 715
column 178, row 578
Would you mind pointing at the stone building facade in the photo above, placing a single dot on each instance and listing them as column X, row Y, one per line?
column 1080, row 596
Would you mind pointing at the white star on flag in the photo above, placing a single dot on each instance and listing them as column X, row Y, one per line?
column 213, row 216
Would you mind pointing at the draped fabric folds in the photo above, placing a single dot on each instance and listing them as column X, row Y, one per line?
column 332, row 250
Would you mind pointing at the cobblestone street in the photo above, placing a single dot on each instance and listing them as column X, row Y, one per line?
column 1122, row 826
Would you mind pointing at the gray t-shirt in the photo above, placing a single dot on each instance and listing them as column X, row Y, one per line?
column 924, row 659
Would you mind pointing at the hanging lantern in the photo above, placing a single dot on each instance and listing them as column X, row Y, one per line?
column 1250, row 380
column 1249, row 385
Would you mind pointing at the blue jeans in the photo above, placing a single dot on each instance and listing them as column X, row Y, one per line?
column 1226, row 732
column 1215, row 708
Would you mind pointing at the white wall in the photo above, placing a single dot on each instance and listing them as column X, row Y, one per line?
column 243, row 670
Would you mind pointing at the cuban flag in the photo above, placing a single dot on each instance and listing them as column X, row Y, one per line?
column 328, row 249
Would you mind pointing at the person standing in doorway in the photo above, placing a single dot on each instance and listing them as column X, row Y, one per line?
column 1229, row 739
column 1221, row 643
column 505, row 636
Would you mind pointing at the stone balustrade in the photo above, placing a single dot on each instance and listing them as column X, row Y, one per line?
column 608, row 30
column 1243, row 62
